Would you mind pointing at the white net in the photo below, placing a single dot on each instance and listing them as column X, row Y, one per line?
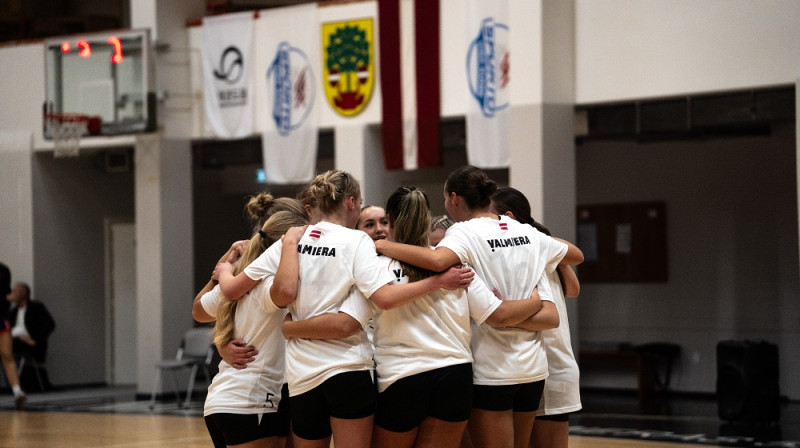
column 66, row 132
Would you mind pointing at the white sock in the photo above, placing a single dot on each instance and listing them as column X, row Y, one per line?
column 17, row 391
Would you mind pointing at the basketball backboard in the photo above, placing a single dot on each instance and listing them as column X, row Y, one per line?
column 103, row 76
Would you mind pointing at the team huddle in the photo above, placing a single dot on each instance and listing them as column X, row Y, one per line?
column 394, row 335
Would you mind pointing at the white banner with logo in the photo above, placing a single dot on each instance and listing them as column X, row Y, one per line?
column 228, row 74
column 292, row 45
column 488, row 68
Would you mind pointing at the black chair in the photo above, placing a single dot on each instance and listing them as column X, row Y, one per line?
column 39, row 369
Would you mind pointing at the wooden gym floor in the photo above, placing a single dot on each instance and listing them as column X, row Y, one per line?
column 113, row 417
column 78, row 430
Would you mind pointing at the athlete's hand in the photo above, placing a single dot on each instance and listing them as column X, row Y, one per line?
column 220, row 268
column 237, row 247
column 379, row 245
column 238, row 354
column 293, row 235
column 456, row 277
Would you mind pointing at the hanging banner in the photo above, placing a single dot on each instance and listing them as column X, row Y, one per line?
column 291, row 136
column 488, row 65
column 409, row 41
column 227, row 73
column 348, row 64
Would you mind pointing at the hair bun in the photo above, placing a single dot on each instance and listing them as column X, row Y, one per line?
column 490, row 187
column 259, row 205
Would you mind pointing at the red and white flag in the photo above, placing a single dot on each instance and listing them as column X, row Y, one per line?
column 409, row 62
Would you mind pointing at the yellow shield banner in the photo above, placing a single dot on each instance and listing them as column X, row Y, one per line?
column 348, row 64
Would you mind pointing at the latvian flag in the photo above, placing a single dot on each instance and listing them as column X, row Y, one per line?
column 409, row 62
column 503, row 226
column 315, row 233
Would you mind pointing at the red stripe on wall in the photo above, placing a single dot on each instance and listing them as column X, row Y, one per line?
column 426, row 18
column 391, row 83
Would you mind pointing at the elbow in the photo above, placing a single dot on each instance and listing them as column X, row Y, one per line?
column 200, row 315
column 383, row 303
column 552, row 322
column 284, row 297
column 382, row 299
column 348, row 328
column 574, row 292
column 229, row 293
column 577, row 257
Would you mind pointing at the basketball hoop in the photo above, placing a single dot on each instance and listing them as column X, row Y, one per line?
column 66, row 131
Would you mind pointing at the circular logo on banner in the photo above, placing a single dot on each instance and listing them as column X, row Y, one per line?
column 292, row 84
column 488, row 67
column 231, row 66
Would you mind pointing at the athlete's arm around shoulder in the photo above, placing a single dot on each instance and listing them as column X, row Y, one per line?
column 572, row 287
column 393, row 295
column 436, row 260
column 198, row 312
column 233, row 286
column 284, row 288
column 574, row 255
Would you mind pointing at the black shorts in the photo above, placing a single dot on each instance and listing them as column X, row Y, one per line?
column 517, row 397
column 554, row 417
column 444, row 393
column 235, row 429
column 348, row 395
column 284, row 407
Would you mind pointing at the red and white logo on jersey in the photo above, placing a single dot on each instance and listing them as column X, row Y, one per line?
column 503, row 226
column 315, row 233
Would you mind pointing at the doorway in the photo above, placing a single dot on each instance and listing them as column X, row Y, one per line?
column 120, row 302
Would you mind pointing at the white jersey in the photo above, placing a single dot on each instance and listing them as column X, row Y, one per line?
column 332, row 259
column 511, row 258
column 562, row 389
column 430, row 332
column 255, row 389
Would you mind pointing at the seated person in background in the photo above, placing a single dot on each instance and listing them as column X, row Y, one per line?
column 31, row 323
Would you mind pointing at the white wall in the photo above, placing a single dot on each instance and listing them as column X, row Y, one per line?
column 68, row 252
column 637, row 49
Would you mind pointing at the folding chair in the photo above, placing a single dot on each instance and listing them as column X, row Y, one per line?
column 196, row 351
column 37, row 367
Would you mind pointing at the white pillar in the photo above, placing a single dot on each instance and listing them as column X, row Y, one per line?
column 164, row 251
column 542, row 139
column 16, row 219
column 797, row 142
column 149, row 297
column 349, row 153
